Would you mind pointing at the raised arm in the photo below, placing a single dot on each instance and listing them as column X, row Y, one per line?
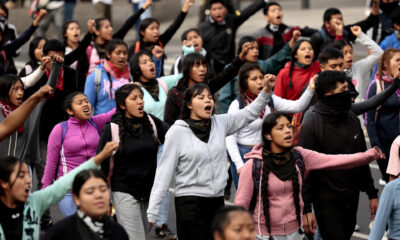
column 248, row 12
column 14, row 45
column 83, row 45
column 55, row 192
column 241, row 118
column 31, row 79
column 376, row 100
column 121, row 33
column 376, row 51
column 171, row 30
column 18, row 117
column 299, row 105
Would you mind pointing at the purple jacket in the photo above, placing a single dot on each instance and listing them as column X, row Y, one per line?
column 80, row 144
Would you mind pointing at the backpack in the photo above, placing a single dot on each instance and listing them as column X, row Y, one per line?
column 64, row 126
column 115, row 138
column 256, row 175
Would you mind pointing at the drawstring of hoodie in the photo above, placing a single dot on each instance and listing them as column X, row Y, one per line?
column 15, row 144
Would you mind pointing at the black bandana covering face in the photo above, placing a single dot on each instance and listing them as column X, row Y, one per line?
column 339, row 102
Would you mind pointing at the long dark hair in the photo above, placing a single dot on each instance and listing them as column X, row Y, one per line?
column 243, row 77
column 145, row 23
column 32, row 47
column 269, row 122
column 120, row 96
column 82, row 177
column 7, row 165
column 293, row 59
column 64, row 30
column 187, row 64
column 136, row 72
column 7, row 81
column 190, row 93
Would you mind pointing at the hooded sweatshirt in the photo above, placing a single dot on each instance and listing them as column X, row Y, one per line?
column 282, row 209
column 300, row 77
column 80, row 144
column 199, row 167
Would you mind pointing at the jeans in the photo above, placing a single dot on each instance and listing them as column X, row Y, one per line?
column 243, row 150
column 131, row 214
column 293, row 236
column 67, row 205
column 162, row 217
column 69, row 11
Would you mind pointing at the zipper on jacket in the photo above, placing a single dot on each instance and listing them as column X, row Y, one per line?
column 84, row 139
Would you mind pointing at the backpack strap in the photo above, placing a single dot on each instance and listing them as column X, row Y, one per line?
column 240, row 100
column 163, row 84
column 153, row 124
column 91, row 121
column 64, row 126
column 89, row 52
column 137, row 47
column 256, row 175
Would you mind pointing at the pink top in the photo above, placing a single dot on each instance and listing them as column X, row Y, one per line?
column 394, row 159
column 282, row 209
column 80, row 144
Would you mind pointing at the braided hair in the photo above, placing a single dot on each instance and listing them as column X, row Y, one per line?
column 269, row 122
column 120, row 96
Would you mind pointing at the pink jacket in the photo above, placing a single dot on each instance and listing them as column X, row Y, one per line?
column 394, row 160
column 80, row 144
column 282, row 209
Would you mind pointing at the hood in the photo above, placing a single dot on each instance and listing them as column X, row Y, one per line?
column 256, row 152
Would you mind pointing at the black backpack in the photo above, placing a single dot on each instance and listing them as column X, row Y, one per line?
column 256, row 175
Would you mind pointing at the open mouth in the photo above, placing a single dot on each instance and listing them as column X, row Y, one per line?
column 76, row 35
column 86, row 110
column 208, row 109
column 19, row 100
column 260, row 89
column 202, row 76
column 288, row 138
column 278, row 17
column 308, row 57
column 27, row 191
column 141, row 108
column 152, row 70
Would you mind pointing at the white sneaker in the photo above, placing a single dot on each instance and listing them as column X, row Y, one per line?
column 357, row 228
column 382, row 182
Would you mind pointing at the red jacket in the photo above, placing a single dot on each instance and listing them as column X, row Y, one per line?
column 300, row 78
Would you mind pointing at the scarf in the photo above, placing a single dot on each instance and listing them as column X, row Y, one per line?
column 152, row 87
column 302, row 66
column 200, row 128
column 334, row 34
column 283, row 165
column 273, row 27
column 60, row 81
column 90, row 229
column 250, row 98
column 115, row 72
column 6, row 109
column 340, row 102
column 134, row 126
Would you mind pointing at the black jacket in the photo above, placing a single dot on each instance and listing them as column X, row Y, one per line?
column 328, row 132
column 68, row 228
column 135, row 166
column 219, row 39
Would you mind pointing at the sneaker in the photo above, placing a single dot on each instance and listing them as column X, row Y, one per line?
column 165, row 232
column 357, row 228
column 382, row 182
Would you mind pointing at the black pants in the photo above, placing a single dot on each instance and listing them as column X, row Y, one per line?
column 337, row 219
column 383, row 163
column 194, row 216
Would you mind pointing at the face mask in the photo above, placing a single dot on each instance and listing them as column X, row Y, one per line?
column 340, row 102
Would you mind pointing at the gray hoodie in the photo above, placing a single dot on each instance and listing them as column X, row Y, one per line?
column 199, row 167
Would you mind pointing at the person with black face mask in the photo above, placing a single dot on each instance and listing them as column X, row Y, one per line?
column 333, row 129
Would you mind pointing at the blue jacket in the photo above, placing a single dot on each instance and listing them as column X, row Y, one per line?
column 390, row 42
column 388, row 213
column 103, row 101
column 385, row 128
